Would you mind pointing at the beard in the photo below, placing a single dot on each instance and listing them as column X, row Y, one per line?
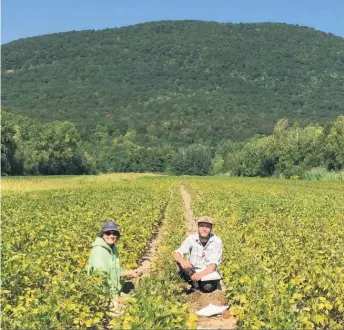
column 203, row 235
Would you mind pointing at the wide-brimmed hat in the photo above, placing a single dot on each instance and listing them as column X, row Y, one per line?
column 110, row 225
column 205, row 219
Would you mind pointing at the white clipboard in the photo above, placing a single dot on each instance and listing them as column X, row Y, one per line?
column 210, row 277
column 211, row 310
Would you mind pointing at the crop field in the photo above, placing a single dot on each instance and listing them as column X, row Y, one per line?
column 283, row 261
column 46, row 241
column 283, row 249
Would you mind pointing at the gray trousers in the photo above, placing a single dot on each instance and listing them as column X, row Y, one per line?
column 204, row 286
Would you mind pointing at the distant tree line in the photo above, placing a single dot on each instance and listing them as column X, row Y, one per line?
column 29, row 147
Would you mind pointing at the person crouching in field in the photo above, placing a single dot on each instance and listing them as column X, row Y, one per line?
column 205, row 249
column 104, row 257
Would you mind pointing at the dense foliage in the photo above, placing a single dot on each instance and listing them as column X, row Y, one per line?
column 283, row 264
column 30, row 147
column 47, row 236
column 289, row 151
column 156, row 303
column 283, row 261
column 177, row 82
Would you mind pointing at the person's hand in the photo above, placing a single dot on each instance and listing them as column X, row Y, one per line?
column 132, row 273
column 137, row 273
column 197, row 276
column 186, row 264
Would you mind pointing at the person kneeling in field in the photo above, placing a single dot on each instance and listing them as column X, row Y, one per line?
column 205, row 249
column 104, row 257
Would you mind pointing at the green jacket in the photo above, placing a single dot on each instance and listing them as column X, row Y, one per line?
column 105, row 259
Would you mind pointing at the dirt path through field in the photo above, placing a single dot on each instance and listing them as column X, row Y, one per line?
column 190, row 220
column 145, row 267
column 199, row 300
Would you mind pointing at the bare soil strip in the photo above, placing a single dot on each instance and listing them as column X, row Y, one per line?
column 145, row 267
column 190, row 220
column 198, row 300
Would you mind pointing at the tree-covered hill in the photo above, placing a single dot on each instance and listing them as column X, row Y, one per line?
column 177, row 82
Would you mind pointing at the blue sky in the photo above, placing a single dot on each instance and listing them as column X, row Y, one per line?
column 26, row 18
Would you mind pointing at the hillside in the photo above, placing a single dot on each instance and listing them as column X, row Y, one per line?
column 177, row 82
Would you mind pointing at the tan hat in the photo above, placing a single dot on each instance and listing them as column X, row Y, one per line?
column 205, row 219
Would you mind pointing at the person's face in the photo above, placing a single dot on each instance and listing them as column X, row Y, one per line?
column 204, row 229
column 110, row 237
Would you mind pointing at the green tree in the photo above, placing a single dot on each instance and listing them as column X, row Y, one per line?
column 30, row 147
column 192, row 160
column 334, row 144
column 9, row 163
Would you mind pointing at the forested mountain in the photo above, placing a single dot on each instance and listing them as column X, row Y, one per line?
column 186, row 97
column 174, row 83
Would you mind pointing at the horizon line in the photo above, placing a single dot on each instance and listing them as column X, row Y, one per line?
column 172, row 20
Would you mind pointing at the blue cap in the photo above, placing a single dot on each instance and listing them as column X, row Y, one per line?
column 110, row 225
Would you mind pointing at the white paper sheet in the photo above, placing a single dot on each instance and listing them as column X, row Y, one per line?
column 211, row 277
column 211, row 310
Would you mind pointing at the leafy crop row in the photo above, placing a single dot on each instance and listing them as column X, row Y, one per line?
column 283, row 261
column 46, row 241
column 157, row 302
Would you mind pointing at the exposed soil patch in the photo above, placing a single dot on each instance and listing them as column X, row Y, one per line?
column 199, row 300
column 216, row 322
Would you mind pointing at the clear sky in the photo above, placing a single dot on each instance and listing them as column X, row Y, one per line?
column 26, row 18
